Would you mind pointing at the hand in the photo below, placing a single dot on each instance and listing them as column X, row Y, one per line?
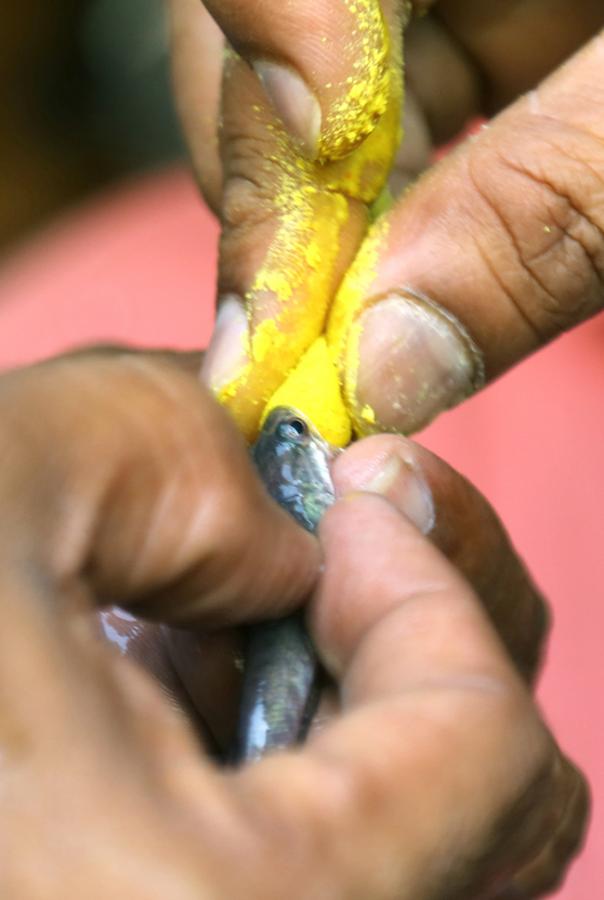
column 494, row 252
column 435, row 777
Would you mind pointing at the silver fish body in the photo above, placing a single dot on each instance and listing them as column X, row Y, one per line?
column 281, row 673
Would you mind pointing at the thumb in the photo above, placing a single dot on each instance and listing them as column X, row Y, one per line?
column 322, row 66
column 496, row 251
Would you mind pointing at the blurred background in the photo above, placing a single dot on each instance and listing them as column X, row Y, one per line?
column 84, row 101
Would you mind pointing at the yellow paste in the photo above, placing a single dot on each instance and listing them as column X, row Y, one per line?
column 343, row 326
column 364, row 98
column 295, row 285
column 313, row 388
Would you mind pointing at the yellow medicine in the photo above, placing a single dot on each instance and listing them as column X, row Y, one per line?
column 313, row 388
column 315, row 202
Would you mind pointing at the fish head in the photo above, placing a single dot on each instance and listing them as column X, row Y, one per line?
column 294, row 463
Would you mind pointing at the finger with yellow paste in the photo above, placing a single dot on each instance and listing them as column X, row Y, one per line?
column 323, row 66
column 494, row 252
column 291, row 227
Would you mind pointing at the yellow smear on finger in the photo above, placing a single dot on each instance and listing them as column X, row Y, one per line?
column 290, row 294
column 293, row 360
column 364, row 96
column 354, row 290
column 344, row 326
column 313, row 388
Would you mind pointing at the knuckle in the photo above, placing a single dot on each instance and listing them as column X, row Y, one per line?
column 543, row 198
column 252, row 169
column 234, row 519
column 245, row 203
column 569, row 806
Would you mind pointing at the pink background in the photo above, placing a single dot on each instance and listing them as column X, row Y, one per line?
column 139, row 266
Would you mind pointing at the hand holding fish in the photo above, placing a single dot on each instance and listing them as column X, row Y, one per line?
column 431, row 773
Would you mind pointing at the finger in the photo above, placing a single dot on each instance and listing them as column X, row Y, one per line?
column 436, row 731
column 442, row 93
column 291, row 226
column 443, row 78
column 465, row 60
column 414, row 154
column 460, row 522
column 456, row 518
column 144, row 644
column 122, row 475
column 188, row 360
column 494, row 252
column 197, row 56
column 324, row 68
column 543, row 874
column 290, row 229
column 514, row 47
column 197, row 48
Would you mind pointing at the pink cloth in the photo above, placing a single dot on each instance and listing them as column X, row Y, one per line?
column 139, row 266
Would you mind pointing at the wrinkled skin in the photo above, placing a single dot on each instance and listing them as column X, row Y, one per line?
column 106, row 788
column 504, row 238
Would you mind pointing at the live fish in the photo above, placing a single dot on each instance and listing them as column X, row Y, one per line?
column 281, row 670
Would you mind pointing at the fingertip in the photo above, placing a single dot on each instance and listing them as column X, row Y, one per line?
column 327, row 69
column 386, row 589
column 228, row 354
column 387, row 465
column 409, row 360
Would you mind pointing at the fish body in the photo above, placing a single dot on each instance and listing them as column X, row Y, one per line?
column 281, row 673
column 293, row 462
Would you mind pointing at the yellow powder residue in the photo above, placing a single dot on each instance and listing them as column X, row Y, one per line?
column 354, row 289
column 313, row 388
column 364, row 97
column 289, row 298
column 343, row 326
column 363, row 174
column 368, row 414
column 297, row 279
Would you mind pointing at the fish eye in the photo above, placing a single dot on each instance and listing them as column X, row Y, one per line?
column 292, row 428
column 298, row 425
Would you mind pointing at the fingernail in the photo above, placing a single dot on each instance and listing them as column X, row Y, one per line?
column 401, row 482
column 228, row 352
column 293, row 102
column 413, row 360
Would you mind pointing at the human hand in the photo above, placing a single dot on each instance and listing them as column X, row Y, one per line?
column 306, row 142
column 490, row 255
column 435, row 777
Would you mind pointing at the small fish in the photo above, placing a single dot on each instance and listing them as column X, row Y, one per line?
column 281, row 670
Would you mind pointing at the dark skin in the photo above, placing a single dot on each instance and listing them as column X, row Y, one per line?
column 105, row 786
column 503, row 238
column 461, row 791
